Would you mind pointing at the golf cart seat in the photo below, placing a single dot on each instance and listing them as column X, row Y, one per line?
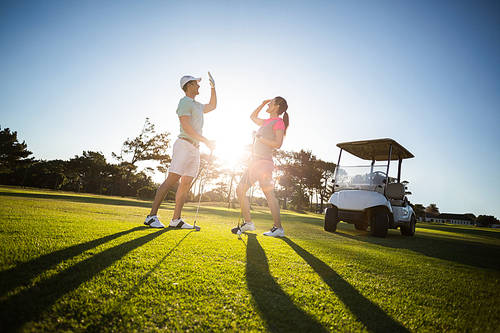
column 395, row 192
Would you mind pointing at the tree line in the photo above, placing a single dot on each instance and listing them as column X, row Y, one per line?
column 303, row 180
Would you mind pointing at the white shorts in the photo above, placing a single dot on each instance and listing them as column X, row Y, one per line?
column 185, row 159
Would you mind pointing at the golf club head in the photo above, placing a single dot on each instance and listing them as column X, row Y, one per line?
column 236, row 231
column 195, row 227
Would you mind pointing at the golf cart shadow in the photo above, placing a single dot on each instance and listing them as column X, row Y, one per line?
column 449, row 248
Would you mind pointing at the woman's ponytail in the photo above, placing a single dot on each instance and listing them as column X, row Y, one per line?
column 286, row 120
column 283, row 106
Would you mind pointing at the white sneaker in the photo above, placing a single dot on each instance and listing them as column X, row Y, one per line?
column 275, row 232
column 179, row 223
column 153, row 222
column 247, row 226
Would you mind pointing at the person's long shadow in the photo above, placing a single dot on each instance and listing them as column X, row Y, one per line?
column 113, row 314
column 457, row 250
column 145, row 277
column 22, row 274
column 274, row 305
column 368, row 313
column 29, row 304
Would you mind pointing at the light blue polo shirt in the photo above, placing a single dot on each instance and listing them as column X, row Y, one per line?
column 190, row 107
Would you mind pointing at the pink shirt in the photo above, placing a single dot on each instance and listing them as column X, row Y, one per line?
column 278, row 125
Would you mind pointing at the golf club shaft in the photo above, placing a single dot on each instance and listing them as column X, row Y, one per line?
column 202, row 186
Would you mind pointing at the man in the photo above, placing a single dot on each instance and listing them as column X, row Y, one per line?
column 186, row 155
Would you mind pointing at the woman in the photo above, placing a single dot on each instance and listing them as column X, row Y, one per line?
column 268, row 137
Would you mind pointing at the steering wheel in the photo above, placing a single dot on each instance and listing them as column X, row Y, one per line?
column 376, row 174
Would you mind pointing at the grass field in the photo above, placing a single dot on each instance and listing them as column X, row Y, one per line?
column 73, row 262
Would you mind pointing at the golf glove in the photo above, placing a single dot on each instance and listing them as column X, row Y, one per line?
column 211, row 80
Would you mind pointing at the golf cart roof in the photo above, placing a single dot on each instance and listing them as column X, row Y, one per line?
column 377, row 150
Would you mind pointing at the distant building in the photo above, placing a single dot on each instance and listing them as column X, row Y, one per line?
column 464, row 219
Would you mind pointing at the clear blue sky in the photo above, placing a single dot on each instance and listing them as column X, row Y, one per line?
column 83, row 75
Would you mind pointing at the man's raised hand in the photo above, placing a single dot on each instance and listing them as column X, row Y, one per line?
column 211, row 80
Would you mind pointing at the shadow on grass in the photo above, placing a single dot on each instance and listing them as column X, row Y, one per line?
column 145, row 276
column 459, row 230
column 29, row 304
column 368, row 313
column 114, row 318
column 79, row 198
column 274, row 305
column 459, row 251
column 24, row 272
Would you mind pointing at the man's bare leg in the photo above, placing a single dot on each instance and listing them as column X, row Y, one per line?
column 180, row 196
column 162, row 191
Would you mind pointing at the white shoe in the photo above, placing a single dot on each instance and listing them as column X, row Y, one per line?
column 275, row 232
column 179, row 223
column 247, row 226
column 153, row 222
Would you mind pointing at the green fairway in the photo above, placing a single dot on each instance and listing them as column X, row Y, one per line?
column 72, row 262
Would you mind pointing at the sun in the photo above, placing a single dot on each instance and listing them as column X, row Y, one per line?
column 232, row 153
column 233, row 137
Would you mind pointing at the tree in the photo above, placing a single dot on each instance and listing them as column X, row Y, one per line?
column 13, row 157
column 148, row 145
column 229, row 176
column 486, row 220
column 221, row 191
column 325, row 190
column 46, row 174
column 297, row 177
column 432, row 209
column 419, row 210
column 209, row 171
column 87, row 171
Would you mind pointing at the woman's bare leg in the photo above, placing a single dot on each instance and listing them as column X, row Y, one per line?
column 272, row 202
column 241, row 192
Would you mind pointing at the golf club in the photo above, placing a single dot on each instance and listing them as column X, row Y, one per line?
column 201, row 191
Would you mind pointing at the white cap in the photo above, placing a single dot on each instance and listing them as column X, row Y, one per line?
column 186, row 78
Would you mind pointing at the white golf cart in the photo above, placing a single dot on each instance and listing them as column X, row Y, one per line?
column 366, row 195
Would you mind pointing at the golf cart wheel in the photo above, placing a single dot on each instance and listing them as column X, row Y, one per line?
column 379, row 224
column 361, row 226
column 409, row 230
column 331, row 219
